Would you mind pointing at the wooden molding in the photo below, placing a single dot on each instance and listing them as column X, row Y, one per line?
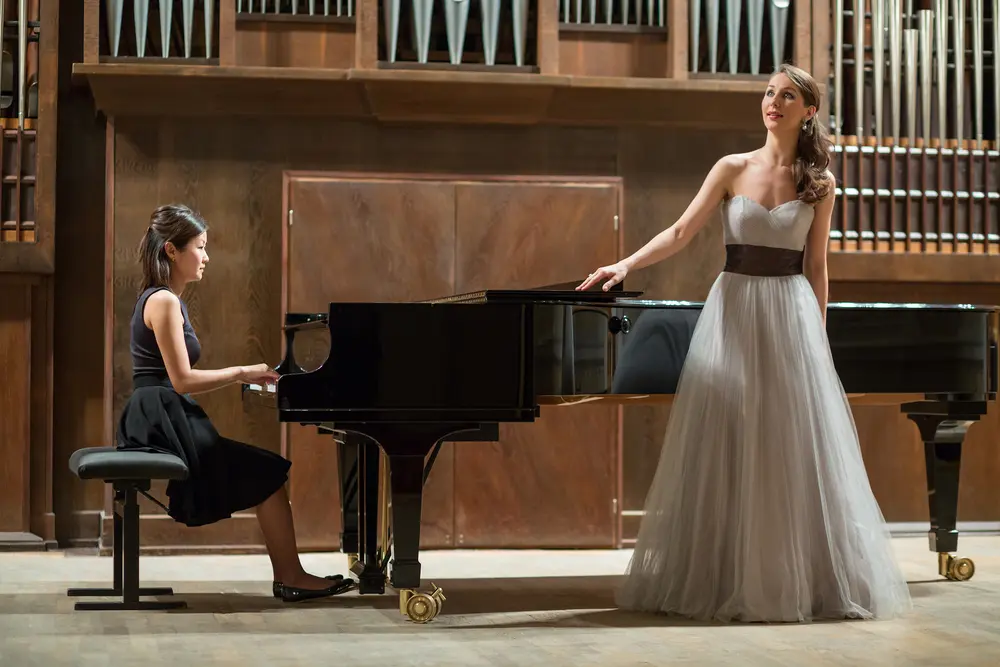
column 402, row 95
column 913, row 267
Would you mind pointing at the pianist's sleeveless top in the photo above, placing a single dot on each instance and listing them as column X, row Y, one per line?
column 225, row 476
column 148, row 368
column 760, row 508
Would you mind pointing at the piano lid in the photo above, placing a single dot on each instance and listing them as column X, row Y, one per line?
column 565, row 293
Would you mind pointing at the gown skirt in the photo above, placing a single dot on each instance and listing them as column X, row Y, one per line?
column 225, row 476
column 760, row 508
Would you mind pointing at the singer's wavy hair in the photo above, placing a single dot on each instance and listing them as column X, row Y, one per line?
column 810, row 171
column 173, row 223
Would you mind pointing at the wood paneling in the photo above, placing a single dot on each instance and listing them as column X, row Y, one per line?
column 78, row 347
column 232, row 171
column 552, row 482
column 395, row 239
column 639, row 53
column 270, row 43
column 356, row 240
column 445, row 97
column 26, row 516
column 15, row 407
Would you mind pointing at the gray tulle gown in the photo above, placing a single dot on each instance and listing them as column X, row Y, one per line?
column 760, row 508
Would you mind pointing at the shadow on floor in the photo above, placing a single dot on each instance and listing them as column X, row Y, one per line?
column 542, row 602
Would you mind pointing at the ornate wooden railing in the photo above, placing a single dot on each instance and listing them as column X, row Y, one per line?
column 19, row 80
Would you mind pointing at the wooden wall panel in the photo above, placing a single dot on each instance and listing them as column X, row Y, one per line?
column 15, row 406
column 354, row 240
column 269, row 43
column 26, row 515
column 232, row 172
column 633, row 54
column 552, row 482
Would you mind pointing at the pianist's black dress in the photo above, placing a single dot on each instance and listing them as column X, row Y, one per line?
column 225, row 476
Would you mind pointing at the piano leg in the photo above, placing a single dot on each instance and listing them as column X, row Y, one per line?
column 406, row 446
column 942, row 428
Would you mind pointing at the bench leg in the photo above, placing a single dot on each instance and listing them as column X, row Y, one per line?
column 125, row 554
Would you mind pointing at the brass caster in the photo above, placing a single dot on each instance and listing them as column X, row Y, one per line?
column 354, row 564
column 421, row 607
column 956, row 569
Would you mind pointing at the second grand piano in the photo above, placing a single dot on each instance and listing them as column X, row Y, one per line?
column 402, row 378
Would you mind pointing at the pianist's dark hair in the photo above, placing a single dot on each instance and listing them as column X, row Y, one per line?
column 810, row 170
column 175, row 223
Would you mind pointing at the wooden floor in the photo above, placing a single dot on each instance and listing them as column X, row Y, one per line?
column 503, row 608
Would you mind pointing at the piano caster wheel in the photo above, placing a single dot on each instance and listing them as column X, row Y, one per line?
column 421, row 607
column 956, row 569
column 354, row 564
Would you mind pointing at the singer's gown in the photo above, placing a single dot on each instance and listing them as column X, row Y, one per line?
column 760, row 508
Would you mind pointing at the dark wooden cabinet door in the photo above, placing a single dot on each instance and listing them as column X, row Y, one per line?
column 362, row 240
column 551, row 483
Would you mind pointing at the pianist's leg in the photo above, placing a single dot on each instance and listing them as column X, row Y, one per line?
column 275, row 517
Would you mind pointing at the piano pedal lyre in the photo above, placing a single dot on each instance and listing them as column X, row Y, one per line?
column 956, row 569
column 421, row 607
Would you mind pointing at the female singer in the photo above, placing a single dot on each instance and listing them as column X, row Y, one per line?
column 760, row 508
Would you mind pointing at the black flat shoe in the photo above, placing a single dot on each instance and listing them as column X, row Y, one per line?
column 292, row 594
column 276, row 586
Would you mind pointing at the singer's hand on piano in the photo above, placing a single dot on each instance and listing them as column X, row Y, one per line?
column 613, row 273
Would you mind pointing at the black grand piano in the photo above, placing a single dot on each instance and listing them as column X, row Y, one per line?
column 399, row 380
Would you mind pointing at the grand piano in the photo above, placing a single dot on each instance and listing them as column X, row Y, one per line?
column 400, row 379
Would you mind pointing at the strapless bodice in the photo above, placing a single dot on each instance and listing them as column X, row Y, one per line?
column 746, row 222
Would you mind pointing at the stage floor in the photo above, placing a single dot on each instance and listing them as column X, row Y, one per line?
column 517, row 608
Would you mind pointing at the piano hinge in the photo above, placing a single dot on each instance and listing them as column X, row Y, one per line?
column 616, row 223
column 291, row 217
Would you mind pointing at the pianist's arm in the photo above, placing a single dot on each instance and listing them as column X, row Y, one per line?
column 163, row 316
column 816, row 248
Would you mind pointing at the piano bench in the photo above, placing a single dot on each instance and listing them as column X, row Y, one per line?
column 129, row 473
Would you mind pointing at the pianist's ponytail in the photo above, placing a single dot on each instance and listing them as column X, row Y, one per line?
column 175, row 223
column 810, row 170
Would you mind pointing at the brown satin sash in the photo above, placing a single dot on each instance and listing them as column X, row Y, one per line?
column 756, row 260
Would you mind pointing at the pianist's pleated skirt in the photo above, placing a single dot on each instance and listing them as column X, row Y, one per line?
column 225, row 477
column 760, row 509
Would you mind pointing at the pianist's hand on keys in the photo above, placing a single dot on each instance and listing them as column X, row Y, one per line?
column 259, row 377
